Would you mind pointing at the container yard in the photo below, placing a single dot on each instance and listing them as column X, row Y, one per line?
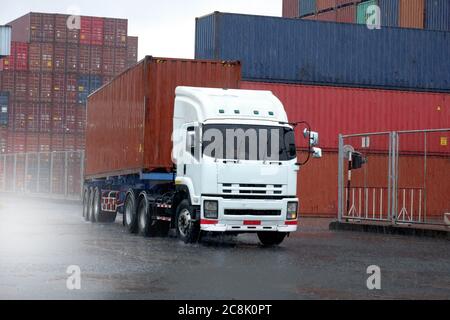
column 261, row 137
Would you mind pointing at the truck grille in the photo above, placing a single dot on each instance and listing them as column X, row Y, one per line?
column 239, row 212
column 252, row 189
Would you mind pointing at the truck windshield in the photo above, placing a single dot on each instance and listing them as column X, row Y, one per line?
column 248, row 142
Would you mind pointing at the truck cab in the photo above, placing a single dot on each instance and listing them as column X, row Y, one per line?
column 236, row 161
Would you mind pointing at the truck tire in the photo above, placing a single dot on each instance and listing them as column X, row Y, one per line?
column 91, row 216
column 269, row 239
column 99, row 215
column 147, row 227
column 187, row 230
column 86, row 204
column 130, row 213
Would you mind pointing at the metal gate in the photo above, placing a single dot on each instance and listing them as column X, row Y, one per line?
column 395, row 177
column 56, row 175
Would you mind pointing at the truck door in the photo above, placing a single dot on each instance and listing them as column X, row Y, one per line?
column 190, row 166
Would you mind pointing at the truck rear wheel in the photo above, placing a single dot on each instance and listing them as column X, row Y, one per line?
column 86, row 204
column 99, row 215
column 188, row 230
column 130, row 214
column 271, row 238
column 147, row 227
column 91, row 216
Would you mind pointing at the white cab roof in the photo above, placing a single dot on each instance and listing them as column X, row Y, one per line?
column 217, row 104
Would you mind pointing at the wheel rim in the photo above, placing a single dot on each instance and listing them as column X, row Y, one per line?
column 96, row 204
column 128, row 216
column 142, row 217
column 184, row 221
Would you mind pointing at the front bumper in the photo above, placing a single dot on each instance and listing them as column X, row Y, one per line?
column 249, row 223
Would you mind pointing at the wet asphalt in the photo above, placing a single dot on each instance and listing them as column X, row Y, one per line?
column 39, row 240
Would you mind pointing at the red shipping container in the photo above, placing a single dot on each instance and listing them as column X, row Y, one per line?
column 327, row 16
column 21, row 56
column 108, row 61
column 80, row 142
column 335, row 110
column 84, row 57
column 59, row 85
column 71, row 89
column 60, row 58
column 121, row 32
column 97, row 31
column 34, row 81
column 86, row 30
column 346, row 14
column 70, row 116
column 45, row 114
column 35, row 56
column 109, row 32
column 32, row 142
column 19, row 111
column 61, row 28
column 412, row 14
column 48, row 27
column 96, row 60
column 69, row 142
column 21, row 85
column 36, row 27
column 8, row 63
column 80, row 119
column 58, row 118
column 45, row 141
column 32, row 115
column 311, row 17
column 290, row 8
column 16, row 142
column 46, row 87
column 120, row 60
column 7, row 83
column 57, row 142
column 47, row 57
column 340, row 3
column 72, row 58
column 322, row 5
column 118, row 110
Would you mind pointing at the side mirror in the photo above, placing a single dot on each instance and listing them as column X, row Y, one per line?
column 313, row 137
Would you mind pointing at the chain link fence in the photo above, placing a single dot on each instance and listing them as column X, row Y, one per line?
column 56, row 175
column 395, row 177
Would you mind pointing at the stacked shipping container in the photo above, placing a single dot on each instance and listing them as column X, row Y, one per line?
column 357, row 74
column 56, row 61
column 428, row 14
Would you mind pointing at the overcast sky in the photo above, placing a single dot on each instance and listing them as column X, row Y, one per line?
column 165, row 28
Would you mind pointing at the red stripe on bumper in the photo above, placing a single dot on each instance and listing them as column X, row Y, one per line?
column 252, row 223
column 291, row 223
column 204, row 221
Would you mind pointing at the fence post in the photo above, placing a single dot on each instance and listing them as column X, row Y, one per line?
column 26, row 174
column 341, row 179
column 66, row 180
column 82, row 173
column 51, row 173
column 394, row 193
column 425, row 191
column 4, row 173
column 14, row 172
column 38, row 175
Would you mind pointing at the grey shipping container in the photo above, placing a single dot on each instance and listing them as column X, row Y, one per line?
column 5, row 41
column 300, row 51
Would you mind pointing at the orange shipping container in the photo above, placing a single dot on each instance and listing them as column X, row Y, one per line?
column 130, row 120
column 412, row 14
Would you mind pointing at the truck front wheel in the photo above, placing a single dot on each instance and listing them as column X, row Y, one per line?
column 271, row 238
column 188, row 229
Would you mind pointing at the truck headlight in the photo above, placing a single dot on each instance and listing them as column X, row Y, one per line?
column 211, row 209
column 292, row 209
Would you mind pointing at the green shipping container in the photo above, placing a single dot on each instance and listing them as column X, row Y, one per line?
column 361, row 12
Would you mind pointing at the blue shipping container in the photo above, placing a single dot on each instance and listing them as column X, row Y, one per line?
column 4, row 108
column 437, row 15
column 87, row 85
column 389, row 12
column 301, row 51
column 307, row 7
